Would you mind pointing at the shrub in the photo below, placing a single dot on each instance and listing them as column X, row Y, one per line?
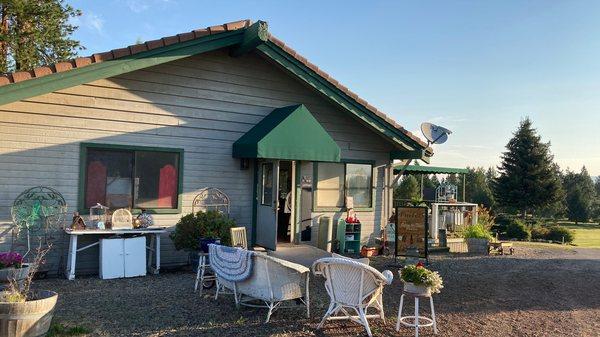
column 539, row 233
column 485, row 217
column 556, row 233
column 477, row 231
column 517, row 229
column 192, row 227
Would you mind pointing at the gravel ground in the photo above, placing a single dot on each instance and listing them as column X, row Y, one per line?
column 539, row 291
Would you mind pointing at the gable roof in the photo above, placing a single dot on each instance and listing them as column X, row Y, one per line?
column 243, row 36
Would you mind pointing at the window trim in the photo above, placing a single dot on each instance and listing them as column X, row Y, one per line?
column 83, row 149
column 343, row 209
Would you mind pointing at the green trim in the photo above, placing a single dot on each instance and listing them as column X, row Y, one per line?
column 95, row 71
column 428, row 169
column 254, row 203
column 316, row 81
column 343, row 208
column 253, row 36
column 82, row 174
column 415, row 154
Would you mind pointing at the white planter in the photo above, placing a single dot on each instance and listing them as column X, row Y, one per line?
column 410, row 287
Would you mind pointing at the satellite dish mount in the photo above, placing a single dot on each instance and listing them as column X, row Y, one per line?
column 434, row 134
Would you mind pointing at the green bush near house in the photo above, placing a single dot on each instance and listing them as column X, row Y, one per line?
column 539, row 232
column 192, row 227
column 477, row 231
column 517, row 229
column 558, row 233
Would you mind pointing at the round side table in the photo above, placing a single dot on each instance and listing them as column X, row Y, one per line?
column 416, row 321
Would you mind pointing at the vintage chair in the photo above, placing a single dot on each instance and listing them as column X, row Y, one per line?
column 272, row 282
column 352, row 285
column 238, row 237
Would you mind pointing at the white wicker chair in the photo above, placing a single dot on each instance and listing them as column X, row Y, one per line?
column 238, row 237
column 272, row 282
column 352, row 285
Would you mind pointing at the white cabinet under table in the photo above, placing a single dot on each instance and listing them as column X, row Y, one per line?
column 122, row 257
column 153, row 247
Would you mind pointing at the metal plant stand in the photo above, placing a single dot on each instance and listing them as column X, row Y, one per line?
column 416, row 319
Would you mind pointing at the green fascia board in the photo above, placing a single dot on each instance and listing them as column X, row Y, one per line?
column 329, row 90
column 429, row 169
column 414, row 154
column 289, row 133
column 95, row 71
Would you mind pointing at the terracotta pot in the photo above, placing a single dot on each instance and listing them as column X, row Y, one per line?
column 28, row 319
column 410, row 287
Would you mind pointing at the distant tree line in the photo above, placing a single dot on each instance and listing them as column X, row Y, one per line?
column 527, row 182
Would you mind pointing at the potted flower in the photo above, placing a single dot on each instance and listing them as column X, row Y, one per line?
column 195, row 231
column 477, row 237
column 24, row 312
column 420, row 281
column 12, row 267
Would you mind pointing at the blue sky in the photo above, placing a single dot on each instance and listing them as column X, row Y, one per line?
column 476, row 67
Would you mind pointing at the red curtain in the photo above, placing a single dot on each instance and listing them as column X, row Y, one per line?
column 167, row 187
column 95, row 184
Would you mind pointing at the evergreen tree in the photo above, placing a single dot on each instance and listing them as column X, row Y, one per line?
column 33, row 33
column 580, row 195
column 527, row 178
column 408, row 189
column 478, row 190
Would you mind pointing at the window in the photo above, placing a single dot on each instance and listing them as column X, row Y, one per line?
column 131, row 177
column 336, row 181
column 267, row 184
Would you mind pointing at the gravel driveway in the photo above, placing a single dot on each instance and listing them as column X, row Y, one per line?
column 539, row 291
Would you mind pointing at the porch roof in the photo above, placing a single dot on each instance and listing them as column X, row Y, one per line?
column 290, row 133
column 428, row 169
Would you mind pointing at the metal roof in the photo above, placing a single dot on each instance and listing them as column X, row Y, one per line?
column 428, row 169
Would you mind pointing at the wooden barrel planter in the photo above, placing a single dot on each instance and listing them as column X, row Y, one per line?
column 28, row 319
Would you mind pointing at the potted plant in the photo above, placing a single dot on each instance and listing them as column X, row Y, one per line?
column 420, row 281
column 477, row 237
column 195, row 231
column 24, row 312
column 12, row 267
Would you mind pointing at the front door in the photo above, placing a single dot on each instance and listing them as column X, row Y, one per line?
column 268, row 204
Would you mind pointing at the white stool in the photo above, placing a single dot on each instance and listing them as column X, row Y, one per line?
column 416, row 318
column 201, row 276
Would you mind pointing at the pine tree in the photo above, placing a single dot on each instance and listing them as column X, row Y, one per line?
column 408, row 189
column 527, row 178
column 580, row 195
column 478, row 190
column 33, row 33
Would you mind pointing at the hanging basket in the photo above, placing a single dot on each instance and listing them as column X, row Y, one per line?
column 416, row 290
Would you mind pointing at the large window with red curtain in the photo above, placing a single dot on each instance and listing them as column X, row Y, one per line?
column 136, row 178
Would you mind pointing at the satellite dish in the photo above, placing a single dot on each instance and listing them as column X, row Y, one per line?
column 435, row 134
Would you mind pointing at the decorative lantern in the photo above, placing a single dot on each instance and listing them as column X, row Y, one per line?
column 98, row 217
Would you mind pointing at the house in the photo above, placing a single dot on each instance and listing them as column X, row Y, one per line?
column 229, row 106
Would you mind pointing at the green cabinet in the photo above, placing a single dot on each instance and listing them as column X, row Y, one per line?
column 348, row 236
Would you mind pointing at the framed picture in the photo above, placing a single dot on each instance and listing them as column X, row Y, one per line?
column 412, row 231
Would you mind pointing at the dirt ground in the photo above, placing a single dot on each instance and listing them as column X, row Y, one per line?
column 539, row 291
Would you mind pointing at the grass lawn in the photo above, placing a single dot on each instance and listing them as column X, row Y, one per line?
column 586, row 234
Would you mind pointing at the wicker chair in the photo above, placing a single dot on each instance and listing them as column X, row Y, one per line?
column 352, row 285
column 238, row 237
column 271, row 282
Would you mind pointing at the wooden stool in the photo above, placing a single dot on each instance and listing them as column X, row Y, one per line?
column 201, row 276
column 416, row 318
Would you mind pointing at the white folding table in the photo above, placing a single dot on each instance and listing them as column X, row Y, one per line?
column 154, row 246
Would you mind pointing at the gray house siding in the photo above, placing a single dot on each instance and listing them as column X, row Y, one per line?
column 201, row 104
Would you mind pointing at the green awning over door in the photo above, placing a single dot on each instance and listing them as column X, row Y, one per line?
column 290, row 133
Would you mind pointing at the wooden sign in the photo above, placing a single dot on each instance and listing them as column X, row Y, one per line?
column 411, row 231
